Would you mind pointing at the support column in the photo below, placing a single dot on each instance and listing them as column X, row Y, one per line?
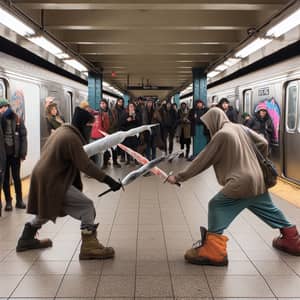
column 126, row 100
column 199, row 93
column 177, row 99
column 94, row 89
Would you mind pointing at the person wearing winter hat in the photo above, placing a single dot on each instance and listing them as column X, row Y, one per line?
column 15, row 141
column 56, row 189
column 247, row 119
column 262, row 123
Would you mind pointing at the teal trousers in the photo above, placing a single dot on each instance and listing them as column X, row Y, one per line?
column 223, row 210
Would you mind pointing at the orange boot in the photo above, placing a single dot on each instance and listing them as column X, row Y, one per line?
column 212, row 250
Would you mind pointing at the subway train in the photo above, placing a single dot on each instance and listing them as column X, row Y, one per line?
column 277, row 87
column 26, row 86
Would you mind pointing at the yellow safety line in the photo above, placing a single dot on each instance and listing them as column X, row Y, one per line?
column 287, row 191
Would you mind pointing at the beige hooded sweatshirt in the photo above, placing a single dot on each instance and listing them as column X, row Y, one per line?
column 231, row 154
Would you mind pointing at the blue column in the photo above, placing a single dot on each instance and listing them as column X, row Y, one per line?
column 177, row 99
column 126, row 99
column 199, row 93
column 94, row 89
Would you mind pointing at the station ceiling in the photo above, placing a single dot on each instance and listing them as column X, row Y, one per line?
column 150, row 42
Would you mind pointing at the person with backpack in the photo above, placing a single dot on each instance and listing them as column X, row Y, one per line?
column 231, row 153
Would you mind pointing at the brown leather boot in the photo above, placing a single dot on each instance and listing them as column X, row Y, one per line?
column 212, row 250
column 27, row 241
column 92, row 249
column 288, row 241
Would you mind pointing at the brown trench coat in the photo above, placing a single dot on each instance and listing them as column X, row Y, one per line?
column 58, row 168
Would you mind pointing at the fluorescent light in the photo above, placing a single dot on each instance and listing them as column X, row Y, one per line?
column 212, row 74
column 105, row 84
column 231, row 61
column 252, row 47
column 14, row 24
column 284, row 26
column 76, row 65
column 46, row 44
column 221, row 67
column 62, row 55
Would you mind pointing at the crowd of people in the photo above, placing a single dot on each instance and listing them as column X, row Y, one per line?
column 63, row 158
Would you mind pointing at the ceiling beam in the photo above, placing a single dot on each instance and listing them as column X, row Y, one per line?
column 151, row 5
column 147, row 36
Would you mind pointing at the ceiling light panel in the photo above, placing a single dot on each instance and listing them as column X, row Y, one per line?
column 253, row 47
column 15, row 24
column 284, row 26
column 76, row 65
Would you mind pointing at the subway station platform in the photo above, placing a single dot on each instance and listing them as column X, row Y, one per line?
column 150, row 225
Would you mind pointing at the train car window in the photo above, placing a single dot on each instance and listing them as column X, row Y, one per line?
column 69, row 105
column 2, row 89
column 247, row 103
column 291, row 106
column 215, row 99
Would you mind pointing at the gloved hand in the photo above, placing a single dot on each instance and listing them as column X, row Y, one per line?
column 114, row 185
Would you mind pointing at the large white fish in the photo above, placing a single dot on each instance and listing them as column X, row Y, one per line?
column 113, row 139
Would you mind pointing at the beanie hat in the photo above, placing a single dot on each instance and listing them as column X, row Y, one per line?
column 261, row 106
column 245, row 115
column 3, row 102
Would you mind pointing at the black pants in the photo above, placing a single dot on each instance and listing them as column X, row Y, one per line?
column 106, row 156
column 13, row 164
column 168, row 133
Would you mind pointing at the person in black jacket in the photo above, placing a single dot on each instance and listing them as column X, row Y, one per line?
column 129, row 120
column 169, row 124
column 2, row 153
column 230, row 112
column 263, row 124
column 15, row 142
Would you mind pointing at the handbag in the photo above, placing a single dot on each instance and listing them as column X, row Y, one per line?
column 268, row 168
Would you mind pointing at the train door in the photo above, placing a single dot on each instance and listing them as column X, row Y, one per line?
column 2, row 89
column 247, row 102
column 292, row 132
column 68, row 106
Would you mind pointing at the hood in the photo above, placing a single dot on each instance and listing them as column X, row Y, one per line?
column 80, row 118
column 214, row 120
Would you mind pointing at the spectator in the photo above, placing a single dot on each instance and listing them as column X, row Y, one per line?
column 169, row 124
column 247, row 120
column 197, row 127
column 15, row 141
column 117, row 113
column 2, row 153
column 53, row 118
column 103, row 121
column 185, row 128
column 130, row 119
column 228, row 109
column 262, row 123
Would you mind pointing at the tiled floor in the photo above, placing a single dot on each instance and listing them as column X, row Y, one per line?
column 150, row 225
